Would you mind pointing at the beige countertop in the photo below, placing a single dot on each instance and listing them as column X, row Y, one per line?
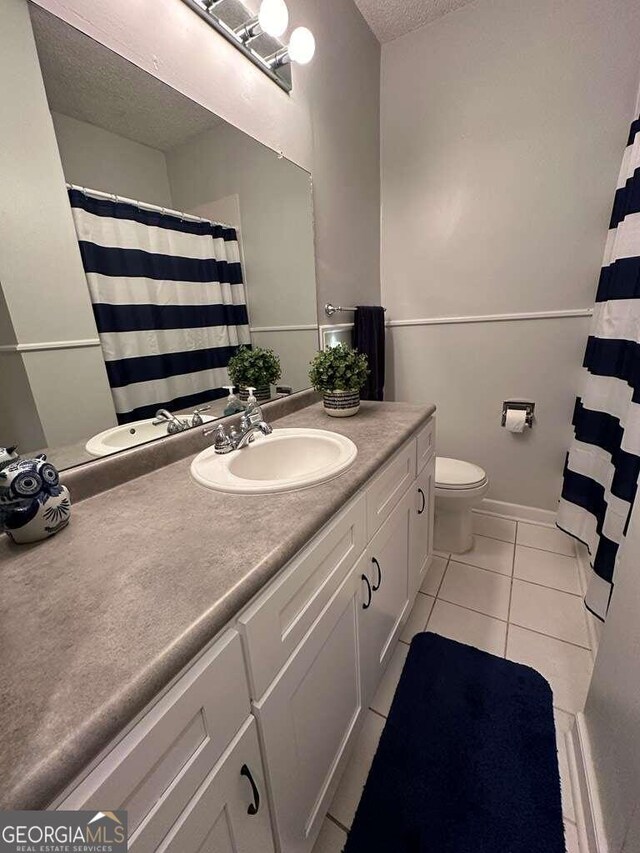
column 97, row 620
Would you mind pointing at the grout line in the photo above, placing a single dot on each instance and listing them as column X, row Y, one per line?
column 484, row 568
column 574, row 714
column 573, row 556
column 513, row 569
column 546, row 586
column 384, row 717
column 337, row 823
column 440, row 584
column 473, row 610
column 506, row 622
column 550, row 636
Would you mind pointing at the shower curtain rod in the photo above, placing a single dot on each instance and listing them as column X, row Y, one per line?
column 145, row 205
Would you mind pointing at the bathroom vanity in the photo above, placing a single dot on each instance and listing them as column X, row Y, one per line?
column 252, row 697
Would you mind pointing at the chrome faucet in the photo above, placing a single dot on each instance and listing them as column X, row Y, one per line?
column 173, row 423
column 251, row 422
column 196, row 419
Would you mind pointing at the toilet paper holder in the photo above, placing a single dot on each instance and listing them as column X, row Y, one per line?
column 527, row 408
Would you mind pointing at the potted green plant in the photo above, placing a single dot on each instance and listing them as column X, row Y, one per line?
column 257, row 368
column 339, row 373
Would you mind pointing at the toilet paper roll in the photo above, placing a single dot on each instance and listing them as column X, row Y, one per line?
column 516, row 420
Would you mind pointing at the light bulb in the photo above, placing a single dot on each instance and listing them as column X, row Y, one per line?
column 302, row 46
column 273, row 17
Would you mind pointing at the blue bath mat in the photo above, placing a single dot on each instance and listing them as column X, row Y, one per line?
column 467, row 760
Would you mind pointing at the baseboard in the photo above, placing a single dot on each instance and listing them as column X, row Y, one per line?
column 518, row 512
column 585, row 790
column 594, row 625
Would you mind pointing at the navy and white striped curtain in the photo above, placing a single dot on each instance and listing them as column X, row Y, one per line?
column 168, row 299
column 603, row 463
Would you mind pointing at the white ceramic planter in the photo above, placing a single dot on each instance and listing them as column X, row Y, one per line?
column 341, row 404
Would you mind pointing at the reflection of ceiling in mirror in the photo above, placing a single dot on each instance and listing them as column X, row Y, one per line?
column 89, row 82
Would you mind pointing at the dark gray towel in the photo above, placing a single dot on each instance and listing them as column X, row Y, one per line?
column 368, row 337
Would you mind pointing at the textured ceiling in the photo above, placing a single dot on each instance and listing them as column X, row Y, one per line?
column 392, row 18
column 88, row 82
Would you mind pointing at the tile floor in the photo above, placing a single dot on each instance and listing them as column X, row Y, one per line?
column 517, row 595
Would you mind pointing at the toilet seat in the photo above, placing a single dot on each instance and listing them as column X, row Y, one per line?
column 457, row 475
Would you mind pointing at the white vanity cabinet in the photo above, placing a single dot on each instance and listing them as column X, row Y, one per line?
column 243, row 753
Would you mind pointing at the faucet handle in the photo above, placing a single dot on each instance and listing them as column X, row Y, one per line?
column 222, row 442
column 196, row 420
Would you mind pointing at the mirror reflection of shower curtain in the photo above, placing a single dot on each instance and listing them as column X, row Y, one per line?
column 168, row 299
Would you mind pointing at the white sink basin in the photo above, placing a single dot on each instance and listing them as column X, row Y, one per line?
column 287, row 459
column 129, row 435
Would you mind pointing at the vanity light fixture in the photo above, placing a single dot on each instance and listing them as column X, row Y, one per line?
column 272, row 19
column 258, row 37
column 302, row 46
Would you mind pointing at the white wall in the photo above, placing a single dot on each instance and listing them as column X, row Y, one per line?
column 276, row 217
column 41, row 275
column 329, row 124
column 98, row 159
column 612, row 712
column 503, row 127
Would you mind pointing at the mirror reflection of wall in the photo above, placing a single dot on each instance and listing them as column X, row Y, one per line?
column 105, row 125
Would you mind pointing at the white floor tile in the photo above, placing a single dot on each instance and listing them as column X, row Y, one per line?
column 571, row 837
column 434, row 576
column 488, row 554
column 468, row 627
column 564, row 723
column 546, row 568
column 444, row 554
column 494, row 527
column 347, row 797
column 418, row 617
column 387, row 687
column 477, row 589
column 567, row 668
column 331, row 839
column 545, row 538
column 549, row 611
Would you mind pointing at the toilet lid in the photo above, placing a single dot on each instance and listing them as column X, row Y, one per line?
column 456, row 474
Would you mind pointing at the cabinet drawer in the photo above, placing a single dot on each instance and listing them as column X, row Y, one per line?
column 278, row 620
column 157, row 767
column 227, row 815
column 387, row 488
column 426, row 442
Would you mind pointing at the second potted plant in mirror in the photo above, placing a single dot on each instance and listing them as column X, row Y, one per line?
column 339, row 373
column 257, row 368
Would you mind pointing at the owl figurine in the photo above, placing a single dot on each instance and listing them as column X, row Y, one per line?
column 33, row 504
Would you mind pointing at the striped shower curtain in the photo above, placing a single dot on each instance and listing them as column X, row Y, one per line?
column 168, row 299
column 603, row 463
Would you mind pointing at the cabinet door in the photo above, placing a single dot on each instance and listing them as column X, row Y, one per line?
column 229, row 813
column 156, row 769
column 309, row 717
column 385, row 591
column 422, row 517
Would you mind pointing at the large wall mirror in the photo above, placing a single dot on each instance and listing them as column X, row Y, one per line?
column 184, row 238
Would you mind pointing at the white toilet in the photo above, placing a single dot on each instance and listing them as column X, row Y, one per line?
column 459, row 487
